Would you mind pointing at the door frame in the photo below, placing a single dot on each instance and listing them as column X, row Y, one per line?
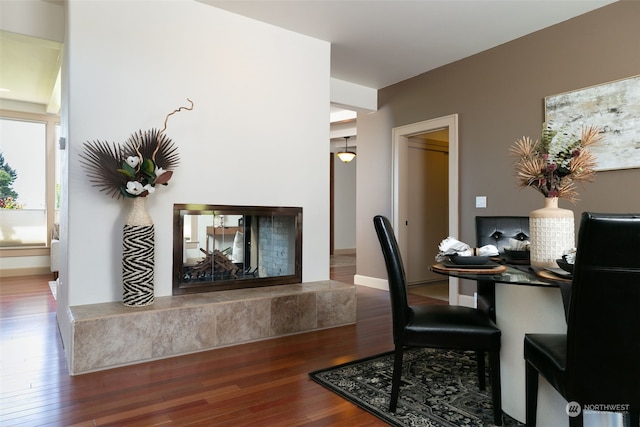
column 400, row 181
column 331, row 203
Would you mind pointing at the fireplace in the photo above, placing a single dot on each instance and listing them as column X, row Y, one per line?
column 220, row 247
column 108, row 335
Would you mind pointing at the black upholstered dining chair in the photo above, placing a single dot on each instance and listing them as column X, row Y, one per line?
column 497, row 231
column 436, row 326
column 597, row 361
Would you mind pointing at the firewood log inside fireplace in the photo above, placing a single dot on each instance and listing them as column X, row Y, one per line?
column 220, row 263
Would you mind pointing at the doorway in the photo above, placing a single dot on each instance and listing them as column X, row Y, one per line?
column 428, row 204
column 415, row 230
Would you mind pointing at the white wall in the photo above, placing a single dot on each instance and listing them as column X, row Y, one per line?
column 374, row 193
column 258, row 91
column 344, row 198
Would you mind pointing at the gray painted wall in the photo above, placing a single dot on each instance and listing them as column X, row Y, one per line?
column 499, row 96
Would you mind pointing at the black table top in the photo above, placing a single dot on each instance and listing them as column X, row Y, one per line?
column 515, row 274
column 520, row 274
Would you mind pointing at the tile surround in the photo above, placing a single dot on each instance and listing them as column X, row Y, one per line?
column 110, row 334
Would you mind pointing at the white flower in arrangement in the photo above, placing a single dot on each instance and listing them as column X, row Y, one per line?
column 146, row 160
column 133, row 161
column 134, row 187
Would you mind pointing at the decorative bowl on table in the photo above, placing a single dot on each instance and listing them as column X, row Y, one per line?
column 469, row 260
column 565, row 265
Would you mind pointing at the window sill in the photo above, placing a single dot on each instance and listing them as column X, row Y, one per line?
column 25, row 251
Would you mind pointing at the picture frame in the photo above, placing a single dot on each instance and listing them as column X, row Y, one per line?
column 613, row 107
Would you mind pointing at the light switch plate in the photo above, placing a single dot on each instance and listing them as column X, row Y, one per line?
column 481, row 201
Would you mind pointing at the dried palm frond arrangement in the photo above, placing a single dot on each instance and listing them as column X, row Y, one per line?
column 145, row 160
column 557, row 162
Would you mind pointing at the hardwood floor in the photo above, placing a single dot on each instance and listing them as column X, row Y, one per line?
column 262, row 383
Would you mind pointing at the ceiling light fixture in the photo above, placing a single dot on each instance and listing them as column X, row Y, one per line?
column 346, row 156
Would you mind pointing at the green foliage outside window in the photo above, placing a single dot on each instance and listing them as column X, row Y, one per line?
column 8, row 196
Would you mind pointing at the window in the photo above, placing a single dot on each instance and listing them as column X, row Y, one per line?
column 27, row 180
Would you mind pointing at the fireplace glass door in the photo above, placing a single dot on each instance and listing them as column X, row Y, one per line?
column 229, row 247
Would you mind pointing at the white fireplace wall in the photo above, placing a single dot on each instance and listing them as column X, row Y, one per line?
column 257, row 135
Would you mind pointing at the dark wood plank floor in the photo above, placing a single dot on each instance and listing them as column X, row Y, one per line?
column 264, row 383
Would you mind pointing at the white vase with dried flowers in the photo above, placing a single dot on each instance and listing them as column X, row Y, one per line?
column 132, row 172
column 553, row 166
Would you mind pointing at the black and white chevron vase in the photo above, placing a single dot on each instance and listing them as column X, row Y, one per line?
column 137, row 265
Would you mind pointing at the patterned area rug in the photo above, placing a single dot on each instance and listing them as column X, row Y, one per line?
column 439, row 388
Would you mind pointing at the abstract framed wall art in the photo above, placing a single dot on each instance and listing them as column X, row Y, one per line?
column 614, row 107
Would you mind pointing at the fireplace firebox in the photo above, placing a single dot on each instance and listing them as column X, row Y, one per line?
column 220, row 247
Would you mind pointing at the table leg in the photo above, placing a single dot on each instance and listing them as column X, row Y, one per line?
column 521, row 310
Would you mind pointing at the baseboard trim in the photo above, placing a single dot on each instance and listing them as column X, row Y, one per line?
column 344, row 251
column 371, row 282
column 382, row 284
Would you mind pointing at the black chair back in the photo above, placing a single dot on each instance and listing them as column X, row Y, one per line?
column 497, row 230
column 400, row 311
column 603, row 335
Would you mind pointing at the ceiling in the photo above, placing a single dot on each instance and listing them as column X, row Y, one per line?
column 374, row 43
column 30, row 70
column 377, row 43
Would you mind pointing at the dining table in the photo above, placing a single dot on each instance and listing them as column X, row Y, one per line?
column 527, row 300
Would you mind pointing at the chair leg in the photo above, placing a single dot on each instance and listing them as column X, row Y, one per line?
column 396, row 378
column 496, row 388
column 481, row 369
column 531, row 386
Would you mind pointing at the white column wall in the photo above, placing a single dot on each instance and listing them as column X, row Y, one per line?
column 257, row 136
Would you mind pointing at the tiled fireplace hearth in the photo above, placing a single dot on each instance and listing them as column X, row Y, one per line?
column 110, row 334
